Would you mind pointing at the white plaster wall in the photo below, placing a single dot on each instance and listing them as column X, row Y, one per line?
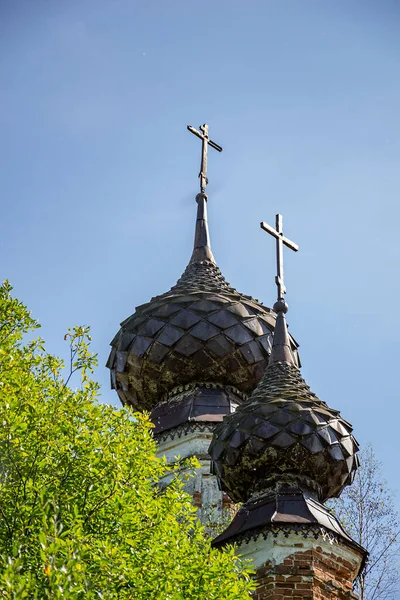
column 275, row 550
column 196, row 444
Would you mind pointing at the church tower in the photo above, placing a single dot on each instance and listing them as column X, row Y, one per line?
column 220, row 375
column 192, row 355
column 282, row 454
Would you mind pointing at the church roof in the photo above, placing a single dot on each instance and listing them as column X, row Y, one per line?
column 284, row 434
column 280, row 508
column 201, row 330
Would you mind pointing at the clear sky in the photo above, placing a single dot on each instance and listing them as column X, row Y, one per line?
column 98, row 172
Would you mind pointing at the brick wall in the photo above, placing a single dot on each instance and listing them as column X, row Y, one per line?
column 317, row 573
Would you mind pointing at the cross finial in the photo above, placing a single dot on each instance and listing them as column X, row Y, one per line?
column 205, row 143
column 280, row 241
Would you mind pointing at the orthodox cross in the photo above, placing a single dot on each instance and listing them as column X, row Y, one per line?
column 280, row 241
column 205, row 143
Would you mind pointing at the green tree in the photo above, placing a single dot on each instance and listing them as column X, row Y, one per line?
column 81, row 511
column 367, row 511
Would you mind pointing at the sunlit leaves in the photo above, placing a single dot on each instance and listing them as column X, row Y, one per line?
column 81, row 511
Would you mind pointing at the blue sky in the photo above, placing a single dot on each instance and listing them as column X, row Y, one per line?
column 99, row 172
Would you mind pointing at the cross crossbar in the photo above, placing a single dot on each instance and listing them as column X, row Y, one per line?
column 277, row 235
column 281, row 240
column 205, row 143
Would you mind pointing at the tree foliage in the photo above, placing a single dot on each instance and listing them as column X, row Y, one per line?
column 367, row 511
column 81, row 511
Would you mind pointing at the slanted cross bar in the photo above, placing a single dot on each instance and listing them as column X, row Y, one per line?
column 205, row 143
column 280, row 241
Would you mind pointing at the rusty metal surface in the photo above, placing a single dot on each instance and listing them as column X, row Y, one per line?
column 286, row 507
column 284, row 433
column 202, row 246
column 199, row 404
column 202, row 329
column 281, row 348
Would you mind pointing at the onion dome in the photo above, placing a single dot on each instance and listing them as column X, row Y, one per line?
column 284, row 436
column 201, row 330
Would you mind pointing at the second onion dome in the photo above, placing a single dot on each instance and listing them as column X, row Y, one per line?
column 201, row 330
column 284, row 436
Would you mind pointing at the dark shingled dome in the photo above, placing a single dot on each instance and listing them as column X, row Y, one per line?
column 202, row 330
column 283, row 435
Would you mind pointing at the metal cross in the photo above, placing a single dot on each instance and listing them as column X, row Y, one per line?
column 280, row 241
column 205, row 143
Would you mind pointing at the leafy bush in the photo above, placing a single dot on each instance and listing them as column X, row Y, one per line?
column 81, row 511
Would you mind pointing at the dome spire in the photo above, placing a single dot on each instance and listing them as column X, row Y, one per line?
column 201, row 330
column 282, row 453
column 281, row 349
column 202, row 248
column 284, row 437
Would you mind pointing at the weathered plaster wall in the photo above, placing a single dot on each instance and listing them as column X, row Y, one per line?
column 213, row 505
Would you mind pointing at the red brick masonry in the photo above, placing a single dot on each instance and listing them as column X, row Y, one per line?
column 307, row 574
